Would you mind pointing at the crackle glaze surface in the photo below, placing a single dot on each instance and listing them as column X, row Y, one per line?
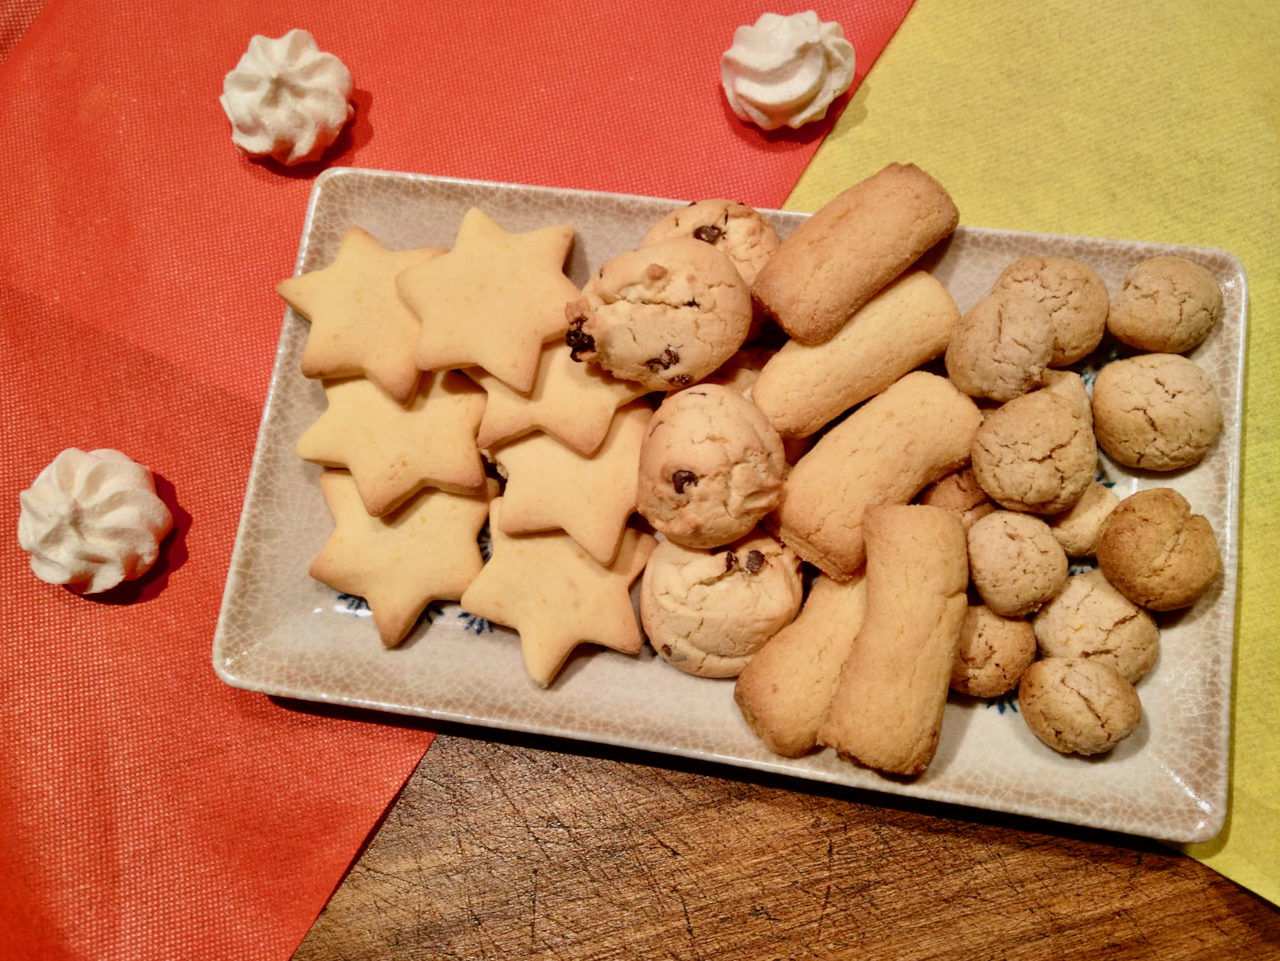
column 282, row 633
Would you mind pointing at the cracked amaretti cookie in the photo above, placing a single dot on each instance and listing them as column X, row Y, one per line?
column 1156, row 412
column 1075, row 296
column 1001, row 346
column 1015, row 562
column 1091, row 619
column 711, row 467
column 1167, row 305
column 1078, row 706
column 664, row 316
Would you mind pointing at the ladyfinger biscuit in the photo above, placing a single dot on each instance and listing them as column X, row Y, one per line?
column 784, row 692
column 885, row 452
column 906, row 324
column 887, row 709
column 841, row 256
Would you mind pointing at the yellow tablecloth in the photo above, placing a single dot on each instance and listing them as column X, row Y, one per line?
column 1155, row 122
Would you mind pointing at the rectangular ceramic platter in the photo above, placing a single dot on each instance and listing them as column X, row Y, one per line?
column 282, row 633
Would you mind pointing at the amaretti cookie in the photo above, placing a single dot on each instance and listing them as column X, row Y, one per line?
column 665, row 315
column 710, row 467
column 1036, row 453
column 961, row 493
column 739, row 231
column 708, row 612
column 803, row 387
column 1156, row 552
column 887, row 709
column 992, row 654
column 838, row 259
column 1166, row 305
column 1078, row 527
column 1091, row 619
column 1078, row 706
column 1015, row 562
column 1156, row 412
column 784, row 692
column 885, row 452
column 1075, row 296
column 1001, row 346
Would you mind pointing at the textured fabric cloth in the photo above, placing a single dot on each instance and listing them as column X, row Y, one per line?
column 1158, row 123
column 151, row 811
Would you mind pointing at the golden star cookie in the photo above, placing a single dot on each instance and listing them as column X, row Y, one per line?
column 359, row 324
column 394, row 451
column 557, row 596
column 550, row 487
column 572, row 402
column 399, row 563
column 493, row 300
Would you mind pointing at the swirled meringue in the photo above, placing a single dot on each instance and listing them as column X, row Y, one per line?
column 91, row 520
column 786, row 70
column 286, row 98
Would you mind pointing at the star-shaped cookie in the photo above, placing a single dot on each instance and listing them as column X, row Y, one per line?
column 493, row 300
column 359, row 324
column 550, row 487
column 399, row 563
column 557, row 596
column 394, row 451
column 572, row 402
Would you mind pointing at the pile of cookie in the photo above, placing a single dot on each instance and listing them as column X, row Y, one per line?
column 832, row 485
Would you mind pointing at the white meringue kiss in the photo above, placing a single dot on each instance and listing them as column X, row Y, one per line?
column 286, row 98
column 786, row 71
column 91, row 520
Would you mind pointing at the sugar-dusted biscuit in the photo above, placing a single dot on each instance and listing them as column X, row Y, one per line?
column 359, row 324
column 492, row 301
column 1035, row 453
column 1078, row 705
column 1166, row 304
column 1001, row 346
column 1078, row 527
column 1091, row 619
column 1156, row 552
column 1156, row 412
column 739, row 231
column 393, row 451
column 886, row 712
column 551, row 487
column 992, row 653
column 784, row 692
column 665, row 315
column 1015, row 561
column 1076, row 298
column 803, row 387
column 424, row 551
column 707, row 612
column 885, row 452
column 557, row 596
column 838, row 259
column 711, row 467
column 574, row 403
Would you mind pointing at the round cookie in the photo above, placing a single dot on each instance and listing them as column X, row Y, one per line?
column 1035, row 453
column 1157, row 553
column 1156, row 412
column 961, row 493
column 1069, row 384
column 1166, row 305
column 665, row 315
column 1078, row 706
column 1015, row 562
column 711, row 467
column 707, row 613
column 1090, row 619
column 1075, row 296
column 1001, row 346
column 993, row 653
column 1077, row 529
column 738, row 230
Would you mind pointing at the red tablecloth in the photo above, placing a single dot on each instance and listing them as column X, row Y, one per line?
column 150, row 811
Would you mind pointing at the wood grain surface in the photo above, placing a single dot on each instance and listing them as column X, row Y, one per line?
column 507, row 846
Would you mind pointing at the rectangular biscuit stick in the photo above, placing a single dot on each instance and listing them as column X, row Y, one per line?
column 887, row 709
